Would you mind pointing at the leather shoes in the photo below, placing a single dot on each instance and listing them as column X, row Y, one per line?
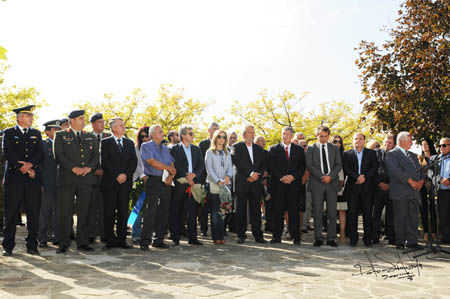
column 7, row 252
column 144, row 247
column 275, row 241
column 368, row 244
column 61, row 250
column 415, row 246
column 175, row 243
column 195, row 242
column 332, row 243
column 391, row 242
column 85, row 248
column 376, row 241
column 240, row 241
column 296, row 242
column 261, row 240
column 56, row 243
column 400, row 246
column 160, row 245
column 107, row 247
column 33, row 251
column 124, row 245
column 204, row 234
column 318, row 243
column 305, row 231
column 43, row 245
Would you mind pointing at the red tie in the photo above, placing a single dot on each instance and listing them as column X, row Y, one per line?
column 287, row 153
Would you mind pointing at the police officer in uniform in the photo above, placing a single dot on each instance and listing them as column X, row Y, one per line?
column 22, row 147
column 48, row 170
column 96, row 213
column 77, row 155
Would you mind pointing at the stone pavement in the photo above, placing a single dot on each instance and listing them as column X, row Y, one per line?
column 247, row 270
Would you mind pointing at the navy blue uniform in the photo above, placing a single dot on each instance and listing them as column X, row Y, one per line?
column 21, row 187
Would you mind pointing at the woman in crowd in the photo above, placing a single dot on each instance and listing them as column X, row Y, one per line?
column 219, row 169
column 141, row 137
column 428, row 150
column 341, row 202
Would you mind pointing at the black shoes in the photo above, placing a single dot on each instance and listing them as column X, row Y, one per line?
column 332, row 243
column 317, row 243
column 33, row 251
column 85, row 248
column 195, row 242
column 91, row 240
column 204, row 234
column 124, row 245
column 144, row 247
column 160, row 245
column 43, row 245
column 275, row 241
column 7, row 252
column 62, row 250
column 261, row 240
column 175, row 243
column 305, row 231
column 376, row 241
column 391, row 242
column 415, row 246
column 297, row 242
column 240, row 241
column 400, row 246
column 368, row 244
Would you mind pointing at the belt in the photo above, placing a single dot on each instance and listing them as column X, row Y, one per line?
column 153, row 176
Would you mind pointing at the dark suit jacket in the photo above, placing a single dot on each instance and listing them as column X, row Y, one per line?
column 49, row 166
column 181, row 162
column 114, row 162
column 243, row 167
column 204, row 146
column 70, row 153
column 369, row 168
column 19, row 147
column 279, row 166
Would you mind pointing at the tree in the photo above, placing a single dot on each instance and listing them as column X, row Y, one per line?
column 3, row 53
column 270, row 115
column 170, row 109
column 406, row 81
column 13, row 97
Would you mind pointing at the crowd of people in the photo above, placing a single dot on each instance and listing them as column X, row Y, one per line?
column 222, row 181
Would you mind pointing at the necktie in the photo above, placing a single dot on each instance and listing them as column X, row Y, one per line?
column 78, row 137
column 119, row 143
column 324, row 160
column 99, row 138
column 25, row 131
column 287, row 153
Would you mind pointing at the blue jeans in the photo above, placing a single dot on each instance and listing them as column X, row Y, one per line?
column 217, row 223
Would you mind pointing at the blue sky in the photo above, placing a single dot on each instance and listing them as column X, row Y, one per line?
column 217, row 50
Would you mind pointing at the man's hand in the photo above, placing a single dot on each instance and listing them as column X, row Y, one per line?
column 171, row 170
column 227, row 180
column 305, row 177
column 77, row 170
column 445, row 182
column 121, row 178
column 361, row 179
column 326, row 179
column 412, row 183
column 383, row 186
column 255, row 176
column 250, row 180
column 32, row 173
column 86, row 170
column 190, row 176
column 420, row 185
column 25, row 167
column 169, row 180
column 99, row 172
column 287, row 179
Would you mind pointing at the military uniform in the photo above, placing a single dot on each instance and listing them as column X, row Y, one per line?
column 22, row 144
column 71, row 151
column 96, row 213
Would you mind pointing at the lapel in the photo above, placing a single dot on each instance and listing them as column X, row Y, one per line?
column 184, row 157
column 283, row 153
column 330, row 155
column 354, row 159
column 247, row 154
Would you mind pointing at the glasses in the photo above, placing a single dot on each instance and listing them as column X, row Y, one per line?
column 221, row 137
column 144, row 136
column 377, row 146
column 190, row 134
column 304, row 146
column 444, row 145
column 336, row 141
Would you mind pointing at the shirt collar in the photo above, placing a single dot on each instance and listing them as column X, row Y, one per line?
column 284, row 145
column 402, row 149
column 74, row 131
column 185, row 147
column 21, row 128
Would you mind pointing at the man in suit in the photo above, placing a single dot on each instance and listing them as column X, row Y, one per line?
column 249, row 167
column 204, row 146
column 22, row 147
column 48, row 170
column 361, row 166
column 323, row 161
column 405, row 183
column 77, row 155
column 261, row 141
column 442, row 171
column 286, row 165
column 188, row 161
column 2, row 173
column 381, row 197
column 119, row 162
column 96, row 209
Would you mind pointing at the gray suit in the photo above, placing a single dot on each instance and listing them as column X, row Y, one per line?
column 320, row 191
column 404, row 198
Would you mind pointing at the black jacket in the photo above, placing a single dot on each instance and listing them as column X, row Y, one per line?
column 181, row 162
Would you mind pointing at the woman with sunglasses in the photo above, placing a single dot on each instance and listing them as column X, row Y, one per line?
column 141, row 137
column 219, row 169
column 341, row 201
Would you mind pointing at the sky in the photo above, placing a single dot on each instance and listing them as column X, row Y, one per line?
column 221, row 51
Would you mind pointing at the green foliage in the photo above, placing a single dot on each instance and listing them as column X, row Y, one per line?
column 406, row 80
column 3, row 53
column 13, row 97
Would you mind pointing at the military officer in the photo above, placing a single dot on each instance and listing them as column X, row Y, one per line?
column 64, row 123
column 77, row 155
column 96, row 213
column 48, row 170
column 22, row 147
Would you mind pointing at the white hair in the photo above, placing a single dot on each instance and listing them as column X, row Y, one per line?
column 153, row 128
column 402, row 136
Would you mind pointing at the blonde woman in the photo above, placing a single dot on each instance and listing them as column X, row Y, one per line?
column 219, row 169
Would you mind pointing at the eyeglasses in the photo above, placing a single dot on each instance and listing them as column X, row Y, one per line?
column 336, row 141
column 444, row 145
column 144, row 136
column 222, row 137
column 377, row 146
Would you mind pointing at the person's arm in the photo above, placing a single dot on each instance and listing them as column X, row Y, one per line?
column 348, row 171
column 60, row 155
column 132, row 164
column 209, row 165
column 313, row 169
column 236, row 157
column 373, row 168
column 108, row 164
column 10, row 155
column 394, row 168
column 39, row 157
column 337, row 162
column 298, row 174
column 272, row 162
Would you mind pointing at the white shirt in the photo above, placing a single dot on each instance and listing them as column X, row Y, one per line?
column 250, row 151
column 321, row 159
column 21, row 129
column 117, row 140
column 288, row 146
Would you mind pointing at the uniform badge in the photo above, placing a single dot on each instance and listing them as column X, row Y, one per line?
column 33, row 137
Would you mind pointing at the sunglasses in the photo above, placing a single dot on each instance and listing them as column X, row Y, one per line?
column 304, row 146
column 144, row 136
column 336, row 141
column 190, row 134
column 377, row 146
column 222, row 137
column 444, row 145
